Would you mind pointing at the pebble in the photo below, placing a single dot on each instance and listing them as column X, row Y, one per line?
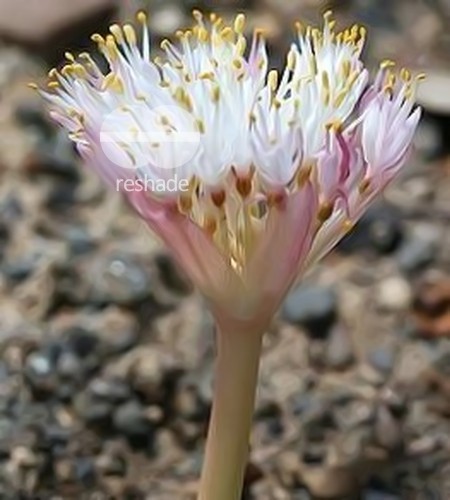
column 108, row 279
column 40, row 372
column 394, row 294
column 339, row 350
column 415, row 254
column 93, row 411
column 313, row 307
column 380, row 229
column 131, row 420
column 330, row 482
column 387, row 429
column 112, row 390
column 383, row 358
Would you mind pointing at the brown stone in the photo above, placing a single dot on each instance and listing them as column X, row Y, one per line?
column 39, row 24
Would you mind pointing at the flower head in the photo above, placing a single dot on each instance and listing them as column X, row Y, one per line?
column 278, row 167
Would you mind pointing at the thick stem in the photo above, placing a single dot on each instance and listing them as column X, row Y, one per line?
column 227, row 446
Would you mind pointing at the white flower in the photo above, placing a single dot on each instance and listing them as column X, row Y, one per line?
column 279, row 166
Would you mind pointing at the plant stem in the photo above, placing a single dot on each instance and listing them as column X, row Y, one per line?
column 227, row 446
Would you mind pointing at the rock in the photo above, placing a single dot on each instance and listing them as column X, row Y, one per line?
column 313, row 307
column 112, row 390
column 114, row 278
column 433, row 94
column 93, row 411
column 111, row 464
column 387, row 429
column 383, row 358
column 394, row 294
column 69, row 366
column 373, row 494
column 40, row 372
column 130, row 419
column 416, row 254
column 171, row 275
column 81, row 341
column 355, row 413
column 31, row 116
column 380, row 229
column 48, row 20
column 339, row 350
column 330, row 481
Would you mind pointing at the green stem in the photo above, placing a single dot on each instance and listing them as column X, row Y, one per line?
column 227, row 446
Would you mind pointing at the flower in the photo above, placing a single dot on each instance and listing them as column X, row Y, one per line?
column 281, row 166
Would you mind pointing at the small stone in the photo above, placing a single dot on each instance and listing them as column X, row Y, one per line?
column 111, row 464
column 339, row 350
column 82, row 342
column 92, row 411
column 379, row 229
column 388, row 432
column 415, row 254
column 383, row 358
column 69, row 366
column 329, row 482
column 40, row 372
column 356, row 413
column 313, row 307
column 433, row 94
column 113, row 390
column 394, row 294
column 372, row 494
column 130, row 419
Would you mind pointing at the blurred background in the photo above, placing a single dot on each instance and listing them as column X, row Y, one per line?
column 107, row 351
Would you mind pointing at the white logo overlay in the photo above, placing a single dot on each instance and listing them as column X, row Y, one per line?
column 153, row 142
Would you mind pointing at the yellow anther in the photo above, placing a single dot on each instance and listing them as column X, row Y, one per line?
column 347, row 225
column 339, row 99
column 313, row 64
column 364, row 186
column 203, row 35
column 335, row 126
column 241, row 46
column 421, row 77
column 130, row 34
column 215, row 94
column 67, row 70
column 206, row 75
column 98, row 39
column 237, row 63
column 227, row 34
column 116, row 31
column 33, row 86
column 111, row 47
column 239, row 24
column 53, row 85
column 328, row 14
column 198, row 16
column 300, row 28
column 304, row 175
column 325, row 211
column 79, row 70
column 291, row 60
column 113, row 82
column 142, row 17
column 69, row 56
column 272, row 79
column 387, row 63
column 200, row 125
column 405, row 75
column 362, row 32
column 53, row 73
column 346, row 68
column 325, row 80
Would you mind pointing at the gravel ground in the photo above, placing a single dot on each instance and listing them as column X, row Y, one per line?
column 107, row 351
